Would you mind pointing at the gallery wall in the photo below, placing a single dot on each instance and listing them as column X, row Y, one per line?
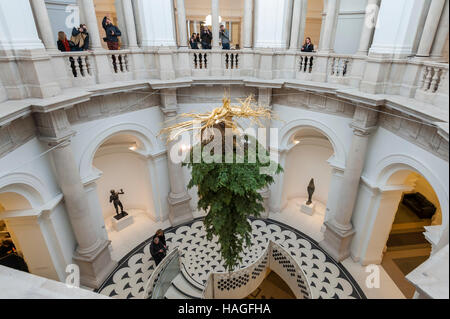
column 305, row 161
column 128, row 171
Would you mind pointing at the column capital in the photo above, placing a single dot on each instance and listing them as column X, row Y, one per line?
column 54, row 127
column 362, row 131
column 365, row 119
column 169, row 103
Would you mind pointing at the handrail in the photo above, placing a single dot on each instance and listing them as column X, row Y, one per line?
column 148, row 288
column 256, row 278
column 241, row 270
column 190, row 277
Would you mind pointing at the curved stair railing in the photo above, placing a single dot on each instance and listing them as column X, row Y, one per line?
column 241, row 283
column 161, row 278
column 231, row 285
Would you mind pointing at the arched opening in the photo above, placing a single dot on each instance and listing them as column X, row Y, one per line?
column 308, row 157
column 23, row 242
column 406, row 207
column 413, row 208
column 122, row 164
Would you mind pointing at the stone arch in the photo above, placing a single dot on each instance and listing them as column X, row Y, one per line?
column 387, row 184
column 150, row 150
column 395, row 163
column 146, row 136
column 291, row 128
column 27, row 186
column 285, row 140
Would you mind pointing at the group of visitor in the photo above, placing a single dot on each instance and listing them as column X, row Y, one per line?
column 158, row 247
column 79, row 41
column 204, row 38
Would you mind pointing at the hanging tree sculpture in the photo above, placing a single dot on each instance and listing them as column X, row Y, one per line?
column 228, row 168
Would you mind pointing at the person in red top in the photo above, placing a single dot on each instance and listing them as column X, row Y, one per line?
column 64, row 45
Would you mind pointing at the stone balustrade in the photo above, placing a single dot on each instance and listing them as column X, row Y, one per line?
column 425, row 81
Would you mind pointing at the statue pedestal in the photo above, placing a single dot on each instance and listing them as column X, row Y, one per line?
column 308, row 209
column 119, row 224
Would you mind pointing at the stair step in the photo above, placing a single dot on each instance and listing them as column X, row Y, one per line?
column 186, row 287
column 174, row 293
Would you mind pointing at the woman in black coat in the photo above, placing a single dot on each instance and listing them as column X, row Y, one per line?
column 193, row 42
column 308, row 46
column 157, row 250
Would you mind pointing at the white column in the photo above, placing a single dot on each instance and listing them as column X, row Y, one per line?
column 322, row 25
column 301, row 31
column 397, row 36
column 130, row 23
column 43, row 24
column 92, row 253
column 178, row 198
column 74, row 198
column 329, row 27
column 339, row 230
column 430, row 28
column 189, row 33
column 195, row 27
column 215, row 23
column 370, row 21
column 248, row 23
column 272, row 23
column 181, row 14
column 88, row 8
column 441, row 37
column 230, row 31
column 297, row 13
column 17, row 26
column 155, row 23
column 352, row 175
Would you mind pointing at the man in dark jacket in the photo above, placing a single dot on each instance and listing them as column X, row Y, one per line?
column 157, row 250
column 80, row 37
column 112, row 34
column 206, row 37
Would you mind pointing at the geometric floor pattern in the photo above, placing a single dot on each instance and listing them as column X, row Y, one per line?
column 328, row 279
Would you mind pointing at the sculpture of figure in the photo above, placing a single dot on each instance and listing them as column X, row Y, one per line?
column 114, row 198
column 311, row 188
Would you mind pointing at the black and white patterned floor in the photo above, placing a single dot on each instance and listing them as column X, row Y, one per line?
column 328, row 278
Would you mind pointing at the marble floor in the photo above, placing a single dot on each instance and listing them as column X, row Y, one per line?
column 200, row 256
column 143, row 228
column 312, row 226
column 124, row 241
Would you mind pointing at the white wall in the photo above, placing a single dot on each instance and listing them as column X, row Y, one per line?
column 128, row 171
column 303, row 163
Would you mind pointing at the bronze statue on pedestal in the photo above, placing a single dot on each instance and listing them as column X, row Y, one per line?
column 311, row 188
column 114, row 198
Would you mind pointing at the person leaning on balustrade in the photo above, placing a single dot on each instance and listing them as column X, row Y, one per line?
column 307, row 46
column 64, row 45
column 80, row 38
column 112, row 34
column 193, row 43
column 224, row 37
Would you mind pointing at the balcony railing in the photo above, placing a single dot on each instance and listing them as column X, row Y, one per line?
column 426, row 81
